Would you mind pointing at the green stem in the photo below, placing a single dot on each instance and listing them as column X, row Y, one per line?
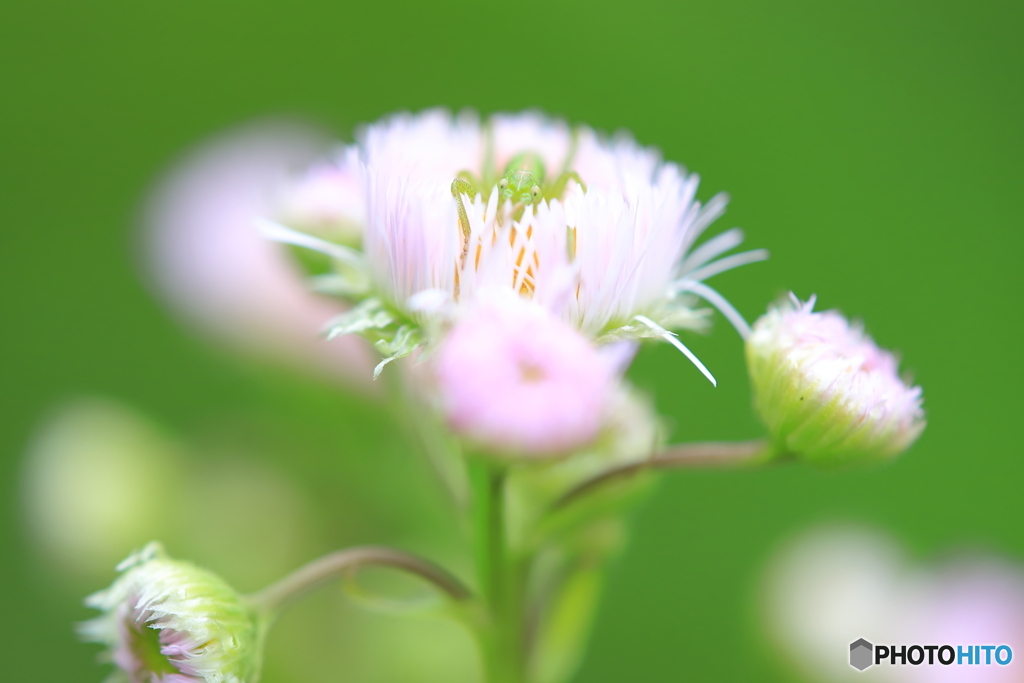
column 501, row 580
column 681, row 456
column 283, row 593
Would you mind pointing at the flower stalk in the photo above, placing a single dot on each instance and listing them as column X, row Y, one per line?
column 274, row 598
column 501, row 578
column 715, row 454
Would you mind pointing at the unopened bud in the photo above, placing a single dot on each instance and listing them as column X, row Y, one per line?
column 825, row 389
column 170, row 621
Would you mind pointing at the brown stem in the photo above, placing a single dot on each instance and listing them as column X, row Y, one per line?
column 330, row 567
column 680, row 456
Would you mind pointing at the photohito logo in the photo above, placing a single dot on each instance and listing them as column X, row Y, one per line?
column 863, row 654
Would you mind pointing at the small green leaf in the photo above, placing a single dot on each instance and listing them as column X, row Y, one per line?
column 564, row 634
column 406, row 340
column 370, row 314
column 627, row 333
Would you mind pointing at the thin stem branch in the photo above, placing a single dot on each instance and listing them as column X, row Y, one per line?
column 681, row 456
column 330, row 567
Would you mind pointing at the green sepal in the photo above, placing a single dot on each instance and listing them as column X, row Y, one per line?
column 369, row 314
column 405, row 340
column 187, row 599
column 675, row 315
column 630, row 332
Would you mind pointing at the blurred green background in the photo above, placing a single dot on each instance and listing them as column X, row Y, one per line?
column 875, row 148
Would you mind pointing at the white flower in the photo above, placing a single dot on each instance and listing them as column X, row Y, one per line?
column 99, row 479
column 605, row 242
column 166, row 621
column 826, row 391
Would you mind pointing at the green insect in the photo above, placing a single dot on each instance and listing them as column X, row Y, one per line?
column 523, row 183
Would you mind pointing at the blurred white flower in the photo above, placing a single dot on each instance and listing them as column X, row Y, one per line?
column 613, row 256
column 825, row 389
column 834, row 585
column 829, row 588
column 98, row 481
column 207, row 260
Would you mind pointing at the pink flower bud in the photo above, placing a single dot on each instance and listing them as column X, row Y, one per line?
column 825, row 389
column 516, row 380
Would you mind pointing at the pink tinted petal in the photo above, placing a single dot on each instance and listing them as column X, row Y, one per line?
column 599, row 256
column 517, row 380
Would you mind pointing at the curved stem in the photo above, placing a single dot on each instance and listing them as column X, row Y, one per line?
column 681, row 456
column 330, row 567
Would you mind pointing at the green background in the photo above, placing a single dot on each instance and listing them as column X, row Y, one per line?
column 875, row 148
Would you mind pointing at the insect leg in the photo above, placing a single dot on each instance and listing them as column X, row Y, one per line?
column 461, row 186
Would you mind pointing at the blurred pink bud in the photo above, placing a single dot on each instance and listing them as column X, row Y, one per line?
column 219, row 275
column 977, row 601
column 835, row 585
column 327, row 200
column 518, row 381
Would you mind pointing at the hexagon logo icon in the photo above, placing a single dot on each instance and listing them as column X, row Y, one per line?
column 860, row 654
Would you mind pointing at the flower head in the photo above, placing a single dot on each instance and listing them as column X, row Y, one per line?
column 514, row 379
column 600, row 232
column 826, row 391
column 166, row 621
